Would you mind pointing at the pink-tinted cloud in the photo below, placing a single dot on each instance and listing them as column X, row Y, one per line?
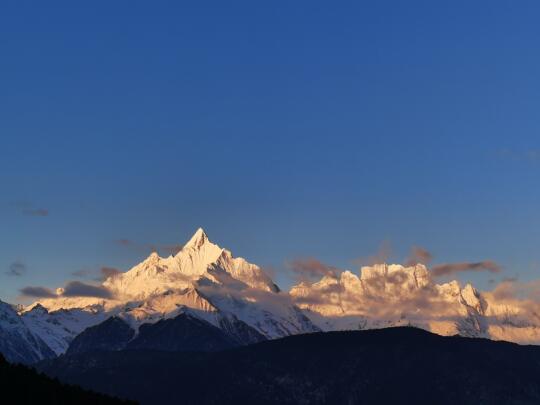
column 452, row 268
column 311, row 268
column 382, row 255
column 511, row 289
column 107, row 272
column 419, row 255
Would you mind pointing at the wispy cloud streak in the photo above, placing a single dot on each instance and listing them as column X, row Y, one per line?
column 16, row 269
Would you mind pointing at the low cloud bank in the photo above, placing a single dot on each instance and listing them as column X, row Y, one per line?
column 71, row 289
column 37, row 292
column 78, row 289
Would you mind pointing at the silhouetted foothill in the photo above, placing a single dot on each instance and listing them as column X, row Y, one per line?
column 387, row 366
column 22, row 385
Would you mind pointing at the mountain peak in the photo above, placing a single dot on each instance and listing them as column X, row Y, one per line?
column 39, row 309
column 198, row 239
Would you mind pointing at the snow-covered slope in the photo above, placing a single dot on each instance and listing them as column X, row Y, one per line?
column 58, row 328
column 17, row 342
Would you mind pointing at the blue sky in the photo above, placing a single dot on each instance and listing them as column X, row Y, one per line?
column 285, row 129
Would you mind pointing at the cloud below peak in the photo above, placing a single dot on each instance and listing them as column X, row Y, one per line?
column 71, row 289
column 37, row 292
column 79, row 289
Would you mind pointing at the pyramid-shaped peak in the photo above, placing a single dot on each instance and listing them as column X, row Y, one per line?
column 198, row 239
column 153, row 257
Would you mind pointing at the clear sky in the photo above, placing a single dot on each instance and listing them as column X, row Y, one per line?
column 285, row 129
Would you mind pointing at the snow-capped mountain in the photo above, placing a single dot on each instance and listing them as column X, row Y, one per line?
column 198, row 258
column 206, row 282
column 202, row 280
column 391, row 295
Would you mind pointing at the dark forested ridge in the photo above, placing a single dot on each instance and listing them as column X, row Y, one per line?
column 387, row 366
column 22, row 385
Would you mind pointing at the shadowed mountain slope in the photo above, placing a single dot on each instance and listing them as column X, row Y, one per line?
column 182, row 333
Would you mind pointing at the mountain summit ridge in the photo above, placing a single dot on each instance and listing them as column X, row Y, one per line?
column 199, row 238
column 199, row 258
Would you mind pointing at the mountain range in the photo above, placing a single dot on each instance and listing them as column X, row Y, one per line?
column 166, row 303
